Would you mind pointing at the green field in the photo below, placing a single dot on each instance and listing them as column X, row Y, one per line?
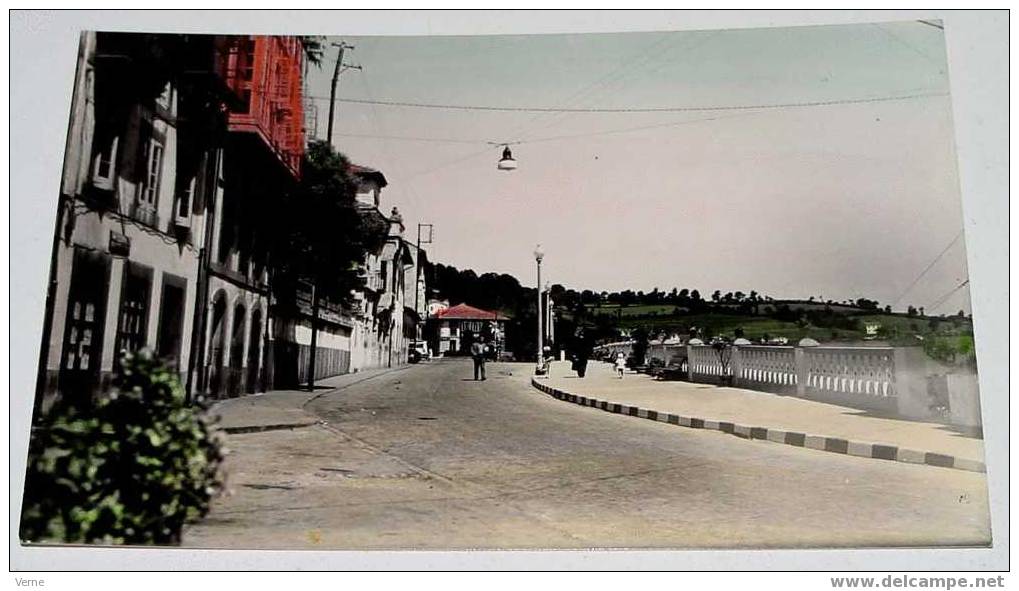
column 894, row 327
column 639, row 310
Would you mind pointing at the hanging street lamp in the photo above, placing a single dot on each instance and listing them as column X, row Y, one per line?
column 507, row 162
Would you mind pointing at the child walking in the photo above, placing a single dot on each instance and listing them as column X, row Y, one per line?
column 620, row 364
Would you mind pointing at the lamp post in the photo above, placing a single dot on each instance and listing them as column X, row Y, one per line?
column 538, row 255
column 549, row 315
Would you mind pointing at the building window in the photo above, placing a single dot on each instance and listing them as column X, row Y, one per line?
column 163, row 100
column 185, row 196
column 153, row 167
column 104, row 163
column 237, row 338
column 171, row 320
column 132, row 323
column 83, row 337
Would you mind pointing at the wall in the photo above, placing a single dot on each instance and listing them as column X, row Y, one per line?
column 885, row 380
column 97, row 221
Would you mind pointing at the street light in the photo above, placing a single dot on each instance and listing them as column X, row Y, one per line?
column 507, row 162
column 538, row 255
column 549, row 314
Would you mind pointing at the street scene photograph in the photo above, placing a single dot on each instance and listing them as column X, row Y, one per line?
column 699, row 289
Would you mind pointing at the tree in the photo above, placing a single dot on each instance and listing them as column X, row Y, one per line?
column 314, row 48
column 716, row 296
column 911, row 311
column 320, row 238
column 865, row 304
column 755, row 302
column 133, row 469
column 640, row 338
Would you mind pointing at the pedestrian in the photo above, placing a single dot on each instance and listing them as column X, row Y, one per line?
column 582, row 352
column 620, row 364
column 478, row 354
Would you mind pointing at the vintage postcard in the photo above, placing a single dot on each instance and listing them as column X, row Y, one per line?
column 661, row 290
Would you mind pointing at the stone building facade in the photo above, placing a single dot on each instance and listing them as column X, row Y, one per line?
column 139, row 169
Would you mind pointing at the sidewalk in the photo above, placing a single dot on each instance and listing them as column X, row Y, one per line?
column 760, row 415
column 283, row 409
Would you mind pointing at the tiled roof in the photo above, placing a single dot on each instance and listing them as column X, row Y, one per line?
column 465, row 312
column 369, row 173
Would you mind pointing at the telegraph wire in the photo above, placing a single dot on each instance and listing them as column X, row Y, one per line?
column 627, row 74
column 945, row 297
column 637, row 63
column 541, row 139
column 928, row 268
column 675, row 109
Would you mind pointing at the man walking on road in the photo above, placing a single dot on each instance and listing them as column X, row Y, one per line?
column 478, row 353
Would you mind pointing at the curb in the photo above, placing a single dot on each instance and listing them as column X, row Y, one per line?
column 837, row 445
column 263, row 428
column 385, row 372
column 216, row 408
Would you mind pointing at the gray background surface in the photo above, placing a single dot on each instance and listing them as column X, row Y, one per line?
column 43, row 46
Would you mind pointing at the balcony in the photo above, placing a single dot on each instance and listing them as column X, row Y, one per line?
column 266, row 71
column 144, row 213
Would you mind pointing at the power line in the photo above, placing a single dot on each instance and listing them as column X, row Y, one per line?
column 540, row 139
column 410, row 138
column 945, row 297
column 677, row 109
column 447, row 164
column 627, row 74
column 928, row 268
column 637, row 63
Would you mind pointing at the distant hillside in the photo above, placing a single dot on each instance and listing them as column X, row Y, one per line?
column 682, row 311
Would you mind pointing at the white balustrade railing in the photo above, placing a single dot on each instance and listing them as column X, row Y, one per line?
column 858, row 371
column 704, row 361
column 871, row 378
column 862, row 377
column 766, row 366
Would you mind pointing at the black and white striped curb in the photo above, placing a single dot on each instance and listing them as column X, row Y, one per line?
column 817, row 442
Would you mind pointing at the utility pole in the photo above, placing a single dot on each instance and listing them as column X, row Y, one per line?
column 417, row 279
column 337, row 70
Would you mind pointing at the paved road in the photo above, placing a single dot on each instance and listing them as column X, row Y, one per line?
column 426, row 458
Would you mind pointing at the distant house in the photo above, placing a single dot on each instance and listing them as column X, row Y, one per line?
column 435, row 306
column 872, row 330
column 452, row 330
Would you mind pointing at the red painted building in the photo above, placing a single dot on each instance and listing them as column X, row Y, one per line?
column 452, row 330
column 260, row 164
column 266, row 73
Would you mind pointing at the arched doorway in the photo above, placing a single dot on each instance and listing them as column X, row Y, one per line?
column 254, row 368
column 237, row 351
column 217, row 339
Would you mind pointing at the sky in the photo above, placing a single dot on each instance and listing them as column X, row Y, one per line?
column 834, row 201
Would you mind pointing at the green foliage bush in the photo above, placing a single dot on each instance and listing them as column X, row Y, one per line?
column 951, row 350
column 132, row 468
